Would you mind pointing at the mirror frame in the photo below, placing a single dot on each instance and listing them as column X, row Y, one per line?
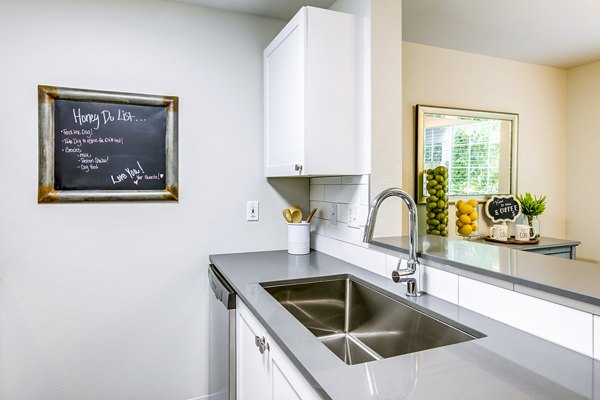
column 422, row 109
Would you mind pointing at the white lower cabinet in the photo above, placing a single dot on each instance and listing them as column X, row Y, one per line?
column 266, row 375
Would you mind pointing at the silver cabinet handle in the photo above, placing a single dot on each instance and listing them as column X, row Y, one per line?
column 262, row 344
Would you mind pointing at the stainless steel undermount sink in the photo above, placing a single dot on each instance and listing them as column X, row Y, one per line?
column 359, row 323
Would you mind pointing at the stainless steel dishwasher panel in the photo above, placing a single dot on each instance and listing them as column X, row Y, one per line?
column 221, row 384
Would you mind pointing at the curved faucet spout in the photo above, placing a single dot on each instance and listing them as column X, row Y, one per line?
column 399, row 272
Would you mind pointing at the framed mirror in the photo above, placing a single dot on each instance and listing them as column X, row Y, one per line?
column 478, row 150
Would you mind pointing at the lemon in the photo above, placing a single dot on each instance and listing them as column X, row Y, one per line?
column 459, row 204
column 472, row 203
column 465, row 230
column 474, row 225
column 458, row 214
column 465, row 219
column 459, row 223
column 466, row 209
column 474, row 215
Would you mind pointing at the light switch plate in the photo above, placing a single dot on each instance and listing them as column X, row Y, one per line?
column 252, row 211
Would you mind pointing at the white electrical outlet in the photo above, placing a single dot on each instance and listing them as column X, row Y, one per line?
column 333, row 214
column 352, row 216
column 252, row 211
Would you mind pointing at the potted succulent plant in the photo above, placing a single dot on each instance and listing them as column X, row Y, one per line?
column 532, row 207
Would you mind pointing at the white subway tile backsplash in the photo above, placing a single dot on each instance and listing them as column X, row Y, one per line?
column 355, row 180
column 596, row 337
column 391, row 263
column 363, row 213
column 440, row 284
column 326, row 245
column 559, row 324
column 322, row 209
column 363, row 195
column 365, row 258
column 330, row 180
column 340, row 191
column 317, row 192
column 343, row 193
column 342, row 213
column 317, row 226
column 341, row 231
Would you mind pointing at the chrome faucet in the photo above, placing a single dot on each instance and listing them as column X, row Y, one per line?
column 399, row 274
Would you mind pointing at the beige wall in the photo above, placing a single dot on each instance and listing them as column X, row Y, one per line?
column 583, row 146
column 442, row 77
column 386, row 111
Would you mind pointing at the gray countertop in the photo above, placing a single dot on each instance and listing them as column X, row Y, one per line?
column 543, row 243
column 506, row 364
column 572, row 279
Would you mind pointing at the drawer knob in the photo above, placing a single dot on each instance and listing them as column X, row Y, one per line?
column 262, row 344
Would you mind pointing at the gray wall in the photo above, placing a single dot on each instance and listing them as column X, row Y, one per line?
column 109, row 301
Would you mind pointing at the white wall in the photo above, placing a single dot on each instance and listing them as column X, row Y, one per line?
column 442, row 77
column 109, row 301
column 583, row 145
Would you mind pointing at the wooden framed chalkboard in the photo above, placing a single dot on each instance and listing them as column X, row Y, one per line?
column 106, row 146
column 503, row 208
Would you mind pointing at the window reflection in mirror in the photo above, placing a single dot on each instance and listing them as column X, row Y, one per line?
column 478, row 148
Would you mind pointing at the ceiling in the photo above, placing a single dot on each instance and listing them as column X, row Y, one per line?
column 558, row 33
column 278, row 9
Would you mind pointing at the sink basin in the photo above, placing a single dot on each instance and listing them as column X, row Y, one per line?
column 360, row 323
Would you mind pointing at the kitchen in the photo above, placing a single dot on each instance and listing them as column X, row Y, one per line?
column 83, row 321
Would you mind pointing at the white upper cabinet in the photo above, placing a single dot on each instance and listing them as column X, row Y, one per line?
column 310, row 93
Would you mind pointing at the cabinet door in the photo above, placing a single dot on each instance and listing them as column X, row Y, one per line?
column 284, row 99
column 252, row 367
column 288, row 383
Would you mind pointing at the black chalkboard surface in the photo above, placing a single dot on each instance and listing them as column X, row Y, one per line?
column 503, row 208
column 108, row 146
